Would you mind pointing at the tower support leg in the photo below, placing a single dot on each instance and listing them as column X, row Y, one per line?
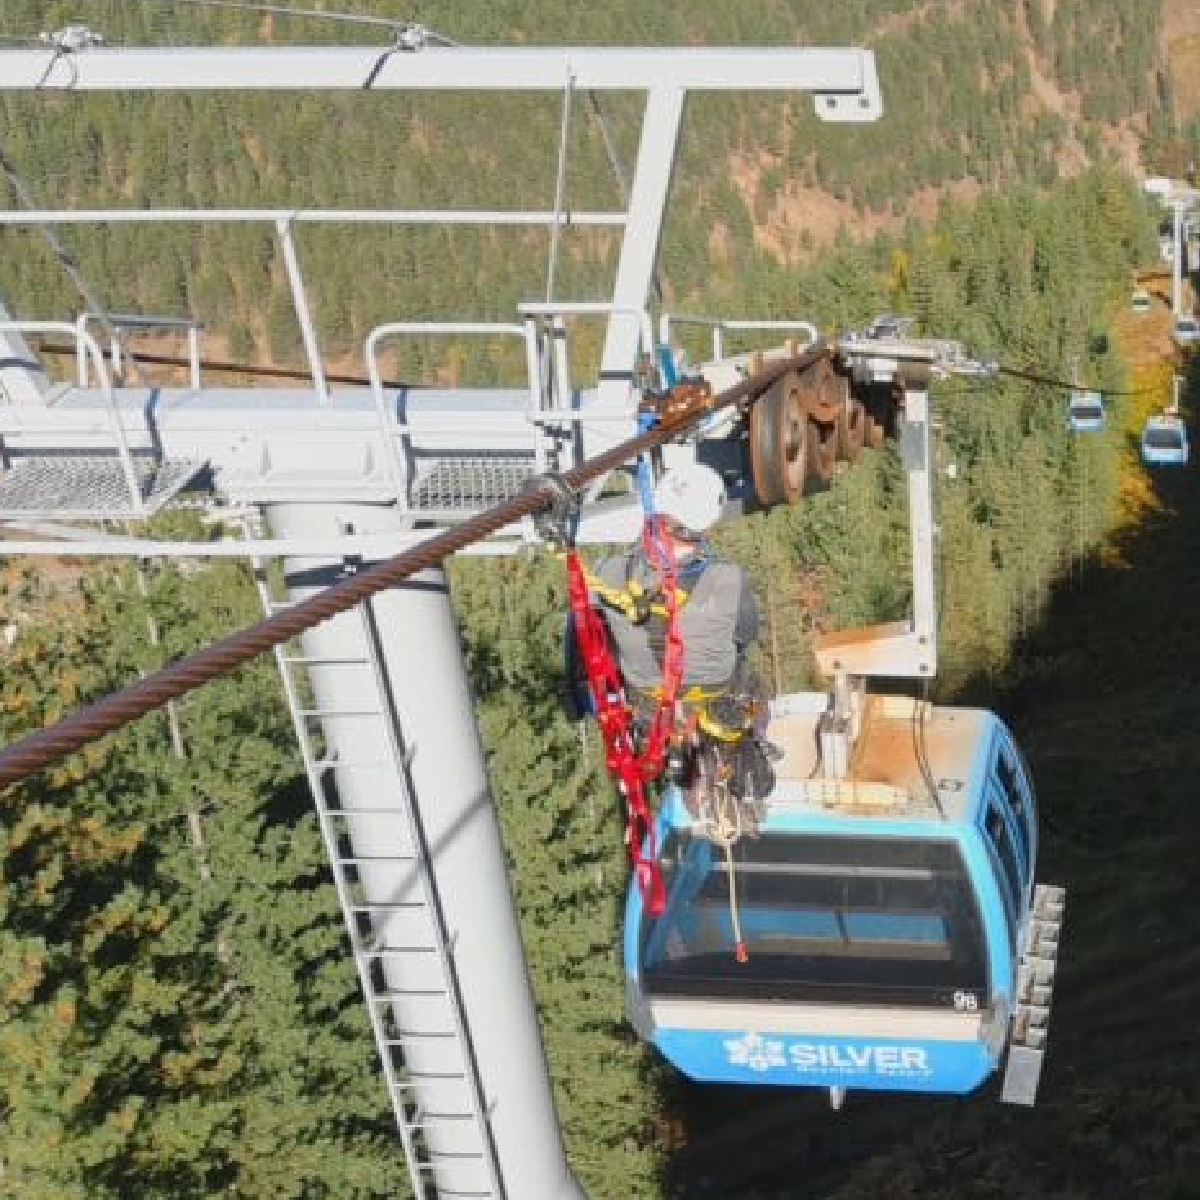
column 425, row 679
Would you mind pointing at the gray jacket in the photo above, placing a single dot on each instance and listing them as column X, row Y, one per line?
column 717, row 623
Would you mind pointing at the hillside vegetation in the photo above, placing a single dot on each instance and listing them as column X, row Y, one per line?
column 178, row 1013
column 978, row 98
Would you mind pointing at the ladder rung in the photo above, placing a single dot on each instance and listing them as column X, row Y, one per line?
column 416, row 1036
column 395, row 951
column 442, row 1118
column 387, row 997
column 365, row 812
column 408, row 1039
column 321, row 714
column 444, row 1155
column 322, row 660
column 376, row 858
column 350, row 764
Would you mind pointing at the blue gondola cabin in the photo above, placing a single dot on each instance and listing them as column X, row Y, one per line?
column 895, row 938
column 1165, row 441
column 1085, row 412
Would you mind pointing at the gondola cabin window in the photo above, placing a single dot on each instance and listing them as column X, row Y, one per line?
column 838, row 919
column 1019, row 808
column 1004, row 856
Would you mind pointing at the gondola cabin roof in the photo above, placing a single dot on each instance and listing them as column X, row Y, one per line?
column 911, row 760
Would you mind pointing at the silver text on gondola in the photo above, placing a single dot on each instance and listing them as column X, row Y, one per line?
column 881, row 1060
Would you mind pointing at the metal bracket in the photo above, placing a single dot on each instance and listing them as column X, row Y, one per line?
column 72, row 38
column 899, row 648
column 866, row 104
column 1035, row 989
column 680, row 401
column 840, row 725
column 556, row 524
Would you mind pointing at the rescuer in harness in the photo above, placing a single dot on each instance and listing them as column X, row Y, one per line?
column 717, row 620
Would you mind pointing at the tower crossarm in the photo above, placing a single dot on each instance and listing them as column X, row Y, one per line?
column 841, row 79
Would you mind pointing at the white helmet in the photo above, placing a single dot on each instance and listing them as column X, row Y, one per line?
column 692, row 494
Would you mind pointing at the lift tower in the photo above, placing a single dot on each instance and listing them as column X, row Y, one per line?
column 337, row 475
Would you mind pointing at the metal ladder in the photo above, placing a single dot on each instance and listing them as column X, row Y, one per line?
column 399, row 939
column 1035, row 989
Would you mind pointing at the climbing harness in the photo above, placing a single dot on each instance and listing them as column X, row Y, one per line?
column 654, row 747
column 701, row 750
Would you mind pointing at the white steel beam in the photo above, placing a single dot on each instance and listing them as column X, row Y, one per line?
column 312, row 349
column 309, row 216
column 647, row 203
column 831, row 71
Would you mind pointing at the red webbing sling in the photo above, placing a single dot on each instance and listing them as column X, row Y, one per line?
column 630, row 768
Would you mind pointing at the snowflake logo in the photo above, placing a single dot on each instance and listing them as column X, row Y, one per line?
column 756, row 1052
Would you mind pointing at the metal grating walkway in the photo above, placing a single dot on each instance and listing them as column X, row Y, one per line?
column 461, row 484
column 91, row 485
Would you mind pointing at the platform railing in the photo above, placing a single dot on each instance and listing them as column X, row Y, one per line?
column 392, row 428
column 117, row 352
column 89, row 348
column 719, row 326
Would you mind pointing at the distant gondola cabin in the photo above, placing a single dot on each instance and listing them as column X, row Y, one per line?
column 1085, row 411
column 1185, row 329
column 1165, row 441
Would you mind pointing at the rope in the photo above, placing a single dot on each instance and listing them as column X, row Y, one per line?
column 411, row 33
column 621, row 758
column 1052, row 381
column 614, row 161
column 560, row 187
column 739, row 943
column 231, row 368
column 66, row 259
column 722, row 825
column 45, row 746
